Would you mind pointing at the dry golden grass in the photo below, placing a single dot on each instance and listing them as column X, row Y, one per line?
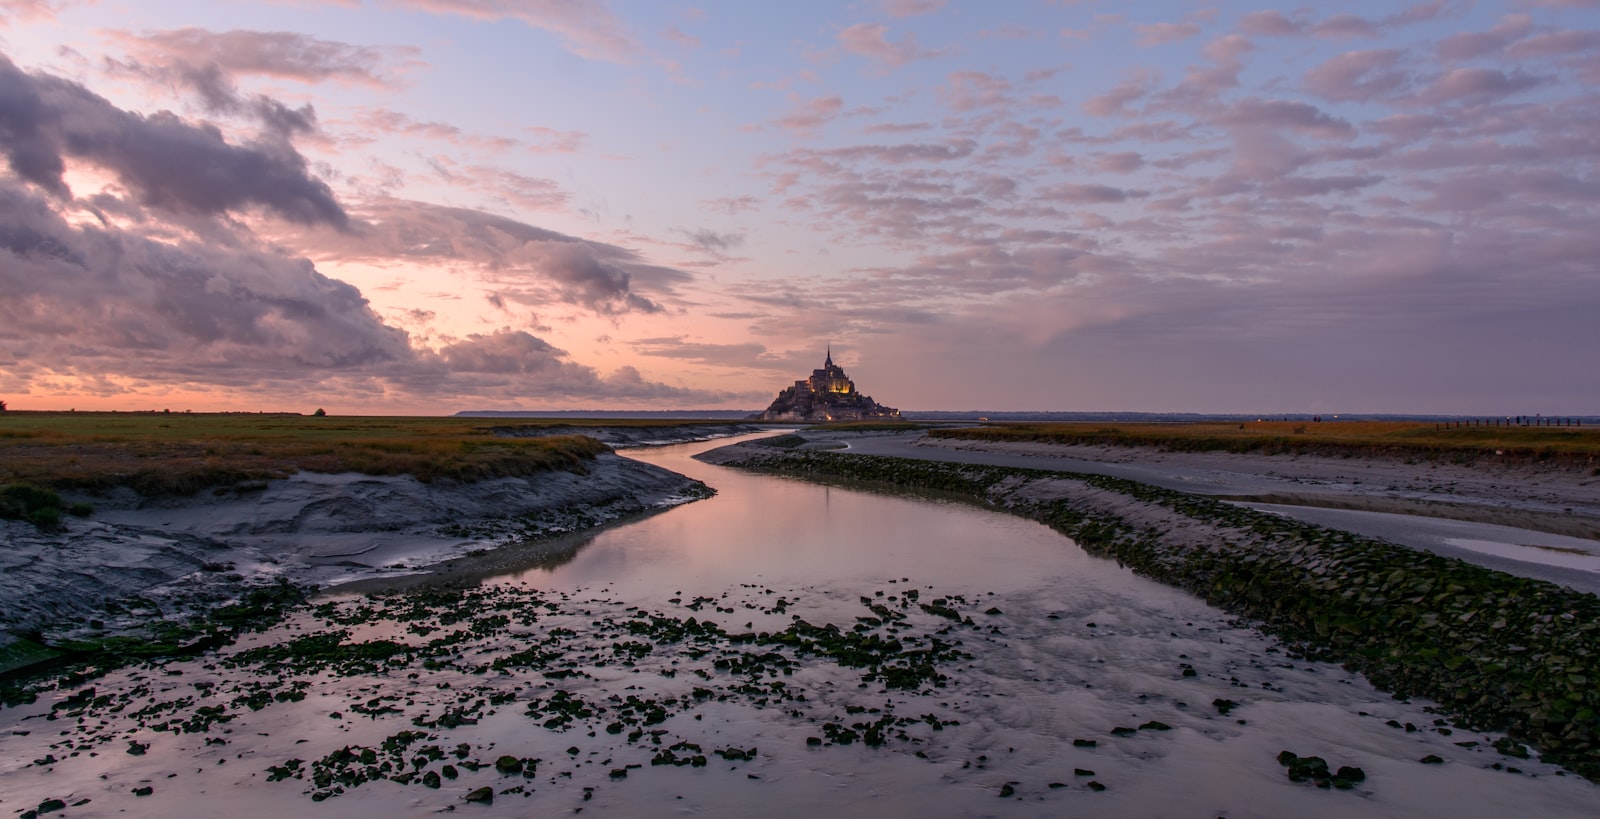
column 1402, row 438
column 179, row 453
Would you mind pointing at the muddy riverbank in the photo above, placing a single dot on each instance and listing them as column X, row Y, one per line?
column 786, row 647
column 1498, row 651
column 138, row 559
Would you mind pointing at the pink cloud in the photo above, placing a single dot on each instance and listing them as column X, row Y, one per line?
column 1088, row 194
column 1270, row 23
column 870, row 40
column 1297, row 116
column 32, row 11
column 1343, row 26
column 810, row 114
column 971, row 90
column 1155, row 34
column 1357, row 76
column 911, row 8
column 1555, row 44
column 383, row 121
column 1203, row 84
column 1116, row 101
column 1470, row 45
column 681, row 37
column 587, row 29
column 279, row 54
column 1477, row 84
column 1120, row 162
column 1408, row 127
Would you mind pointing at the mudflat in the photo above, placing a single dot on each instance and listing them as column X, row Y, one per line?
column 1561, row 497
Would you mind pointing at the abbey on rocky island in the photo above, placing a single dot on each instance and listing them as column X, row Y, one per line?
column 828, row 395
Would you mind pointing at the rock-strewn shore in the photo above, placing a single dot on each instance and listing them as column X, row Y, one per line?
column 139, row 558
column 1497, row 651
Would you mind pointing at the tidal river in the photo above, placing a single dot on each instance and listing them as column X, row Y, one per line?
column 683, row 664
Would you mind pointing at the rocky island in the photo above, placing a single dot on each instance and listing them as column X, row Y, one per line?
column 828, row 395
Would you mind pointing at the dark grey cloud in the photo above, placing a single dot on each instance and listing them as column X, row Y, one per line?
column 525, row 263
column 98, row 294
column 166, row 162
column 108, row 305
column 713, row 242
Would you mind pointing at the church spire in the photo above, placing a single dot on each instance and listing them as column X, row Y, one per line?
column 829, row 362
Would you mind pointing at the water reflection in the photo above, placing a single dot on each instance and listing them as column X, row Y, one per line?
column 792, row 532
column 1059, row 647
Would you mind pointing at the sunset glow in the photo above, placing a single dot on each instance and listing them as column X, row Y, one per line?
column 425, row 206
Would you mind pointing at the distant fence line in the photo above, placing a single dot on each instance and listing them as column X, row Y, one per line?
column 1511, row 421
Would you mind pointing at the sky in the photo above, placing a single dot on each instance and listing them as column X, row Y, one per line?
column 425, row 206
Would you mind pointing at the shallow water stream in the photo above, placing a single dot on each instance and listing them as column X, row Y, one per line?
column 1070, row 687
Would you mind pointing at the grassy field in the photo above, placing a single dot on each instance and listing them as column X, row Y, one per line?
column 1396, row 438
column 180, row 453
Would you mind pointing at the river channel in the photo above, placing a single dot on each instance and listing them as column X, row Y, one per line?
column 1070, row 686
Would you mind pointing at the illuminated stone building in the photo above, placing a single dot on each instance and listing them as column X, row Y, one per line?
column 828, row 395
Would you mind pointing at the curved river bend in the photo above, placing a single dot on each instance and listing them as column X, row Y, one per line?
column 1075, row 646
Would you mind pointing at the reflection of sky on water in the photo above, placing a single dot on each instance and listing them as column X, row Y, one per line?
column 1040, row 676
column 1550, row 555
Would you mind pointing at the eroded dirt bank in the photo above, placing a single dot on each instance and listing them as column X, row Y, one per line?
column 160, row 556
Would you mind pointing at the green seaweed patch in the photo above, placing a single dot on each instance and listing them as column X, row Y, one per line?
column 1315, row 770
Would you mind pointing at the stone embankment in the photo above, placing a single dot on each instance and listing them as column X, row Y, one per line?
column 1497, row 651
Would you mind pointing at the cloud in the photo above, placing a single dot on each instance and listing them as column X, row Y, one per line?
column 1344, row 26
column 1357, row 76
column 1469, row 45
column 1155, row 34
column 871, row 40
column 31, row 11
column 96, row 303
column 1555, row 43
column 911, row 8
column 733, row 205
column 111, row 298
column 1087, row 194
column 528, row 264
column 164, row 161
column 383, row 121
column 1273, row 23
column 586, row 27
column 894, row 154
column 713, row 242
column 971, row 90
column 810, row 114
column 278, row 54
column 1119, row 162
column 1115, row 101
column 509, row 189
column 747, row 355
column 1296, row 116
column 1477, row 85
column 1270, row 23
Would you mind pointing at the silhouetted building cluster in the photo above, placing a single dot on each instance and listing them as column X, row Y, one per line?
column 828, row 395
